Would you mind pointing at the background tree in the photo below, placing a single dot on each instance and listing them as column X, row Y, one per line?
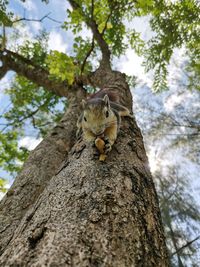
column 48, row 70
column 170, row 125
column 180, row 217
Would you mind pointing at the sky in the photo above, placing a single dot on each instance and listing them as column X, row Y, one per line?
column 129, row 63
column 147, row 106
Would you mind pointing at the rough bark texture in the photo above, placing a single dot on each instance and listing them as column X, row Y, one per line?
column 85, row 212
column 41, row 165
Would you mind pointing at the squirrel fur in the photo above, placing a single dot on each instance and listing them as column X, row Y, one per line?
column 100, row 120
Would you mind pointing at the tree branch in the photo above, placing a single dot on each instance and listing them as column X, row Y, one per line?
column 92, row 10
column 23, row 118
column 186, row 245
column 87, row 55
column 30, row 115
column 22, row 58
column 36, row 20
column 106, row 23
column 91, row 23
column 26, row 68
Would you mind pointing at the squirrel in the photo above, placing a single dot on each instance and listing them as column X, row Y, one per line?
column 100, row 121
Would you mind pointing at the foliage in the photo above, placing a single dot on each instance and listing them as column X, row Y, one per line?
column 28, row 101
column 11, row 155
column 5, row 17
column 80, row 47
column 176, row 23
column 3, row 183
column 131, row 80
column 30, row 105
column 193, row 66
column 109, row 16
column 180, row 216
column 136, row 42
column 35, row 50
column 61, row 66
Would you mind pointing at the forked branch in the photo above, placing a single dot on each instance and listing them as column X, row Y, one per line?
column 37, row 20
column 91, row 23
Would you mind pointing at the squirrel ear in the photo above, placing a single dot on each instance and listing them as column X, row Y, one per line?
column 107, row 101
column 83, row 103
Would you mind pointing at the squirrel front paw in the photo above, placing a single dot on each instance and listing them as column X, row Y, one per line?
column 104, row 145
column 107, row 146
column 100, row 144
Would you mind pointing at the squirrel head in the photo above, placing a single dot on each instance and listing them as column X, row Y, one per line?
column 97, row 115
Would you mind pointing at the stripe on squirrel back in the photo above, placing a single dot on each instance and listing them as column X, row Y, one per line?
column 113, row 96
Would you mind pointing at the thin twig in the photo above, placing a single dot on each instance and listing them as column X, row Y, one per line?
column 54, row 20
column 29, row 115
column 87, row 55
column 186, row 245
column 105, row 27
column 97, row 35
column 4, row 110
column 37, row 20
column 92, row 10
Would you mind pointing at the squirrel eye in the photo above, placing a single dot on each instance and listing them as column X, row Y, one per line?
column 85, row 119
column 107, row 114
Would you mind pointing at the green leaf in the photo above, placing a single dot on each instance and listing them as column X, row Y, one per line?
column 3, row 184
column 61, row 66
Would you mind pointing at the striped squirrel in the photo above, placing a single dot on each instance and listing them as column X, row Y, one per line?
column 100, row 120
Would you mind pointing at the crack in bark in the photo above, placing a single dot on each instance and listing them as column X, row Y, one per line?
column 35, row 238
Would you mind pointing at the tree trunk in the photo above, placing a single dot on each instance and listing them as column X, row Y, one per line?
column 77, row 211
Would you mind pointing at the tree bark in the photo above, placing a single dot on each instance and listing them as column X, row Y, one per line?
column 77, row 211
column 41, row 165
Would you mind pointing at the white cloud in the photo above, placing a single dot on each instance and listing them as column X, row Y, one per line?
column 153, row 162
column 29, row 142
column 173, row 101
column 141, row 25
column 131, row 64
column 56, row 42
column 86, row 33
column 36, row 26
column 23, row 32
column 29, row 5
